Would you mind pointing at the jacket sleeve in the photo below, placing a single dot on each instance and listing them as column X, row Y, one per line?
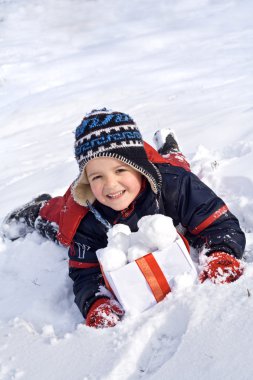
column 205, row 217
column 52, row 208
column 84, row 268
column 86, row 284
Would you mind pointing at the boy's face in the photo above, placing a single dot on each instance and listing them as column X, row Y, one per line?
column 113, row 183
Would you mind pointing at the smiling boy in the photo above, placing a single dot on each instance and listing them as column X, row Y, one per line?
column 121, row 180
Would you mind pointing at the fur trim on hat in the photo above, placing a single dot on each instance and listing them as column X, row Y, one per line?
column 81, row 192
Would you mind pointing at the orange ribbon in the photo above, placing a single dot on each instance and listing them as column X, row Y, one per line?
column 154, row 276
column 107, row 285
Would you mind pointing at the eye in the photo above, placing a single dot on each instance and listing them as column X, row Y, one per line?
column 96, row 178
column 121, row 170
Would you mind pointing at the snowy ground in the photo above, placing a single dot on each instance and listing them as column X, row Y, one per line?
column 185, row 64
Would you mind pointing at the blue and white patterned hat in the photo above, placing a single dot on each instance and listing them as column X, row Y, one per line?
column 106, row 133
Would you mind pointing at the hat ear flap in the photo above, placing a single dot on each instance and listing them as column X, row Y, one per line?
column 81, row 191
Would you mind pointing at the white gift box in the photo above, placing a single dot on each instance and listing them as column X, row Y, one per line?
column 129, row 283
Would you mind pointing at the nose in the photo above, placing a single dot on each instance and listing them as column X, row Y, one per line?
column 111, row 182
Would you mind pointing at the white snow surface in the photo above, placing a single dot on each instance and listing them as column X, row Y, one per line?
column 185, row 65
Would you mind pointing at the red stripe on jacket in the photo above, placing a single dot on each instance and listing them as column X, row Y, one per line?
column 216, row 215
column 78, row 264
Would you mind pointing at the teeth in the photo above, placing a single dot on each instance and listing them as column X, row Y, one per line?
column 116, row 194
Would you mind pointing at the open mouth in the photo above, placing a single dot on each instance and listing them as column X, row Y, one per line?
column 116, row 195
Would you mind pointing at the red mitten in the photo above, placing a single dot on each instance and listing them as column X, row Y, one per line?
column 221, row 268
column 104, row 313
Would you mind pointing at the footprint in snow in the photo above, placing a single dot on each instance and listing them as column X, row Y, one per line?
column 165, row 341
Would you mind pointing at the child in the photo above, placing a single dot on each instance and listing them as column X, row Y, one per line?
column 120, row 182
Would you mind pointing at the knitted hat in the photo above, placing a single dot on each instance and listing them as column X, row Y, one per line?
column 106, row 133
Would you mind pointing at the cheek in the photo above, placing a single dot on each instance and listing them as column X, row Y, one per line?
column 96, row 188
column 134, row 183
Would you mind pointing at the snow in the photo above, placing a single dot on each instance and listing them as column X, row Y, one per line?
column 155, row 233
column 112, row 258
column 185, row 65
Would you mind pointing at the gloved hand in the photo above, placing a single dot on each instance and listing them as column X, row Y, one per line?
column 103, row 313
column 221, row 268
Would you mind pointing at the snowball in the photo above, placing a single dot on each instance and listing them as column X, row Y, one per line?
column 133, row 239
column 118, row 228
column 118, row 237
column 156, row 232
column 111, row 258
column 136, row 251
column 120, row 241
